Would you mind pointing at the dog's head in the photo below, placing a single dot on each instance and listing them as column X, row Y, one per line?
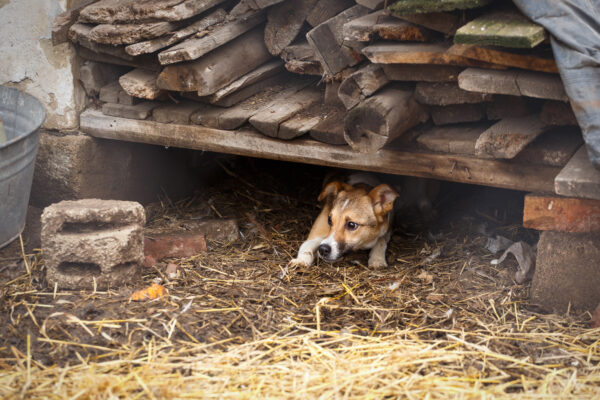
column 357, row 217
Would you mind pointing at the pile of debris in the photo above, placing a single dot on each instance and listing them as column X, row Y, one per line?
column 470, row 77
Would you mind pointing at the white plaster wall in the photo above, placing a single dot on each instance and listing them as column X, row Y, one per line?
column 29, row 62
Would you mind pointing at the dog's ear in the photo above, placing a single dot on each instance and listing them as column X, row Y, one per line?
column 332, row 189
column 383, row 197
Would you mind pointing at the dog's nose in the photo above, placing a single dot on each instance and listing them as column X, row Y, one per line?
column 324, row 250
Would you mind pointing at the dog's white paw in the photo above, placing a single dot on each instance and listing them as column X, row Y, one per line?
column 303, row 260
column 376, row 261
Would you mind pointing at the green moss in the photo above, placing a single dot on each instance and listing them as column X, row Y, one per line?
column 404, row 7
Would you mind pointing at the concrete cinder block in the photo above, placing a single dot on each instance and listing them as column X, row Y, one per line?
column 567, row 271
column 77, row 166
column 92, row 239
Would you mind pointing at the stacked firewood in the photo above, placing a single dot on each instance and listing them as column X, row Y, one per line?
column 471, row 77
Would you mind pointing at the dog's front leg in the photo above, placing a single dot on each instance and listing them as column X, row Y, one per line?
column 377, row 254
column 319, row 231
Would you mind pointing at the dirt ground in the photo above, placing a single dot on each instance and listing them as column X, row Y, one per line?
column 441, row 321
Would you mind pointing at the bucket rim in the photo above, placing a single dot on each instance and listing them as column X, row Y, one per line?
column 42, row 119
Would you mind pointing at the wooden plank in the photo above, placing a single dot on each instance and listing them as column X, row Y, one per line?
column 456, row 113
column 267, row 70
column 558, row 113
column 404, row 7
column 141, row 83
column 445, row 23
column 381, row 118
column 136, row 111
column 248, row 7
column 361, row 84
column 507, row 29
column 506, row 138
column 331, row 127
column 421, row 72
column 219, row 68
column 129, row 33
column 379, row 24
column 497, row 173
column 284, row 22
column 446, row 93
column 179, row 113
column 80, row 34
column 513, row 82
column 561, row 214
column 136, row 62
column 328, row 42
column 579, row 178
column 325, row 9
column 298, row 125
column 497, row 56
column 418, row 53
column 126, row 11
column 64, row 21
column 194, row 48
column 268, row 119
column 150, row 46
column 253, row 89
column 454, row 139
column 554, row 147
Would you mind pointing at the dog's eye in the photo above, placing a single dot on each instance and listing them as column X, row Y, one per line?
column 351, row 226
column 329, row 220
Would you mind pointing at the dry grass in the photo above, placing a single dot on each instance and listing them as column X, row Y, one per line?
column 239, row 324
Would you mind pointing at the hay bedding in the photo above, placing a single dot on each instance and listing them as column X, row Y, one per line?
column 239, row 324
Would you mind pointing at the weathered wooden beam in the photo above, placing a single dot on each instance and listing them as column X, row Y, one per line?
column 446, row 93
column 64, row 21
column 144, row 61
column 506, row 29
column 126, row 11
column 247, row 7
column 497, row 173
column 298, row 125
column 328, row 42
column 80, row 34
column 554, row 147
column 379, row 24
column 561, row 214
column 419, row 53
column 579, row 178
column 136, row 111
column 219, row 68
column 558, row 113
column 325, row 9
column 196, row 47
column 421, row 72
column 502, row 57
column 129, row 33
column 456, row 113
column 284, row 22
column 404, row 7
column 445, row 23
column 506, row 138
column 512, row 82
column 150, row 46
column 141, row 83
column 381, row 118
column 505, row 106
column 371, row 4
column 331, row 127
column 361, row 84
column 179, row 113
column 453, row 139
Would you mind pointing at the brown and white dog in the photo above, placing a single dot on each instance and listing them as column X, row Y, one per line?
column 356, row 215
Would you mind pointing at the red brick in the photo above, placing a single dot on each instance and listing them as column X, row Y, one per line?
column 172, row 245
column 561, row 214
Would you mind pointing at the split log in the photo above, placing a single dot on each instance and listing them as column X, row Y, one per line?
column 405, row 7
column 331, row 94
column 419, row 53
column 421, row 72
column 512, row 82
column 64, row 21
column 558, row 113
column 328, row 42
column 454, row 139
column 80, row 34
column 260, row 74
column 506, row 138
column 219, row 68
column 507, row 29
column 554, row 147
column 270, row 118
column 127, row 11
column 150, row 46
column 361, row 84
column 129, row 33
column 247, row 7
column 136, row 111
column 497, row 56
column 300, row 59
column 325, row 9
column 284, row 22
column 331, row 127
column 141, row 83
column 457, row 113
column 579, row 178
column 300, row 124
column 194, row 48
column 365, row 28
column 445, row 93
column 144, row 62
column 179, row 113
column 445, row 23
column 381, row 118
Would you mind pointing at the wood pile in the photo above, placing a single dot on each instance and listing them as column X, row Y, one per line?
column 468, row 77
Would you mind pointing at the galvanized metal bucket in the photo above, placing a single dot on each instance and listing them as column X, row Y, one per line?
column 22, row 116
